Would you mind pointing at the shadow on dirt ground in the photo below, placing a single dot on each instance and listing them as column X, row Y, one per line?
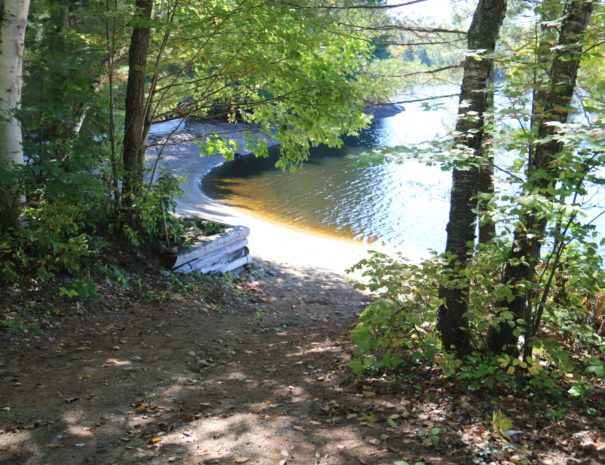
column 259, row 379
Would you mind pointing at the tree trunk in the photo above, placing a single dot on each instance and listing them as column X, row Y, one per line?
column 12, row 45
column 551, row 105
column 487, row 227
column 133, row 154
column 482, row 35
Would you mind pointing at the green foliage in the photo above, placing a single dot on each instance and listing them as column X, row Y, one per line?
column 435, row 436
column 400, row 325
column 581, row 389
column 69, row 218
column 19, row 325
column 501, row 424
column 80, row 289
column 155, row 207
column 596, row 367
column 113, row 275
column 298, row 73
column 56, row 234
column 209, row 288
column 478, row 371
column 159, row 225
column 402, row 318
column 63, row 57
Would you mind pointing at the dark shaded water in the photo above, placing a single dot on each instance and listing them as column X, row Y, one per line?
column 401, row 204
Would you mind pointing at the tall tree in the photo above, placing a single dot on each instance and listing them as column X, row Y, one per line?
column 133, row 154
column 552, row 104
column 12, row 45
column 478, row 66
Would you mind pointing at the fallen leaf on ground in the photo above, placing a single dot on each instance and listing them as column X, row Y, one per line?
column 369, row 417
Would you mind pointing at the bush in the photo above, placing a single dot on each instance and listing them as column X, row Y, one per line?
column 400, row 326
column 55, row 231
column 402, row 319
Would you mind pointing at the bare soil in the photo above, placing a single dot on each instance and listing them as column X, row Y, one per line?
column 155, row 374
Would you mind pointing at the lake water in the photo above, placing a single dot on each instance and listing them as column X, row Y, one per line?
column 402, row 204
column 399, row 204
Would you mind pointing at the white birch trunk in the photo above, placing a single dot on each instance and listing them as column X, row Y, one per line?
column 12, row 44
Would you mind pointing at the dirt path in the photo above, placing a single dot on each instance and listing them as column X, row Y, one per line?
column 154, row 376
column 148, row 378
column 170, row 381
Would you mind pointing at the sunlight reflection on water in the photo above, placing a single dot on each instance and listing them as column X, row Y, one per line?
column 400, row 204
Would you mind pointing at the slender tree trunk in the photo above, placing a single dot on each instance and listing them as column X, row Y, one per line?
column 133, row 154
column 12, row 45
column 110, row 36
column 552, row 105
column 482, row 35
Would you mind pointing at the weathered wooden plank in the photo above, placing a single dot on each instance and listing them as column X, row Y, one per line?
column 220, row 256
column 211, row 246
column 216, row 258
column 226, row 262
column 222, row 263
column 231, row 266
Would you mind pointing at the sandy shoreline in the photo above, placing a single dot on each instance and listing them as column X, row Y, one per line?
column 269, row 241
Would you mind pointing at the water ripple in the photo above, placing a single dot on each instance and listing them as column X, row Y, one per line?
column 401, row 204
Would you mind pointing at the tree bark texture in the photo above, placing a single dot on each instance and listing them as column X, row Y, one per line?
column 487, row 227
column 12, row 45
column 133, row 154
column 482, row 35
column 552, row 104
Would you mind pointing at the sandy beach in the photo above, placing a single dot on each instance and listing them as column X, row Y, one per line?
column 269, row 241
